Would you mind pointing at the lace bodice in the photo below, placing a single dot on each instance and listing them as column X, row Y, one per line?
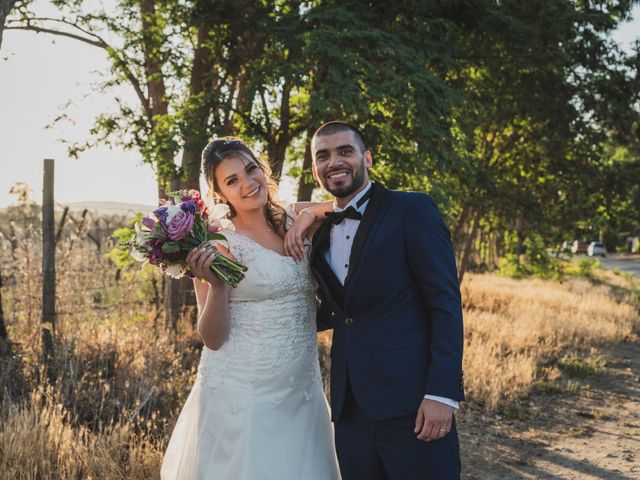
column 272, row 315
column 270, row 275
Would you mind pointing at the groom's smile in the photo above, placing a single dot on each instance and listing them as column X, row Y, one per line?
column 340, row 164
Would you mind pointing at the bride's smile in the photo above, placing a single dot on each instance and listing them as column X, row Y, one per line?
column 242, row 183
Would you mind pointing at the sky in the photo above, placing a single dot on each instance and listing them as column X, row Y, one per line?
column 41, row 77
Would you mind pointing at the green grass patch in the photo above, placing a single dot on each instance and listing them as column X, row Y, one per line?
column 575, row 367
column 584, row 267
column 553, row 388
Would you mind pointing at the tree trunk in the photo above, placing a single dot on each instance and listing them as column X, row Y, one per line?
column 464, row 260
column 159, row 106
column 520, row 233
column 5, row 8
column 457, row 239
column 196, row 136
column 181, row 293
column 306, row 183
column 152, row 59
column 282, row 137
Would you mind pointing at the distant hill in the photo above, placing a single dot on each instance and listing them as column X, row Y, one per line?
column 109, row 207
column 103, row 208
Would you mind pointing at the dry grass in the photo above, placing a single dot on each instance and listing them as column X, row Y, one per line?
column 119, row 379
column 39, row 441
column 515, row 328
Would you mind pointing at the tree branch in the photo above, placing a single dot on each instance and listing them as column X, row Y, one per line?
column 97, row 41
column 36, row 29
column 5, row 8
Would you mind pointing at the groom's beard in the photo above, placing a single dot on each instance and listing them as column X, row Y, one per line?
column 348, row 189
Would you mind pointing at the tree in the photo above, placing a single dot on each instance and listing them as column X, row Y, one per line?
column 5, row 8
column 383, row 68
column 141, row 58
column 526, row 129
column 505, row 112
column 190, row 65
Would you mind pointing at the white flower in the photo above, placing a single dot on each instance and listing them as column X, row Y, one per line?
column 137, row 255
column 174, row 271
column 217, row 214
column 141, row 235
column 172, row 211
column 226, row 223
column 219, row 211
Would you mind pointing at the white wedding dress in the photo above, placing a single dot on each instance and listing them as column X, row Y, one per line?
column 257, row 410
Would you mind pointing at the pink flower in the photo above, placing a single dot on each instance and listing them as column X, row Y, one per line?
column 195, row 195
column 180, row 225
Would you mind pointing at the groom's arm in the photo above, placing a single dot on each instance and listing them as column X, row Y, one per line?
column 432, row 262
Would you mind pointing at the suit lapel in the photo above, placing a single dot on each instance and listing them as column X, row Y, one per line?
column 320, row 242
column 371, row 219
column 322, row 270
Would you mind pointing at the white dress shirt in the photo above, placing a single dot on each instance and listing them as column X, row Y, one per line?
column 340, row 250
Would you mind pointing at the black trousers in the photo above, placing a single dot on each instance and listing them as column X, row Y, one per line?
column 389, row 450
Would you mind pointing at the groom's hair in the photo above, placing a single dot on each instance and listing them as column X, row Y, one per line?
column 330, row 128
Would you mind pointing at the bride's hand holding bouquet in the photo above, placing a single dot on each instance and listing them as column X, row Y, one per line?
column 200, row 259
column 176, row 236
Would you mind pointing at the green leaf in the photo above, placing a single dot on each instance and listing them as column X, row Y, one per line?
column 170, row 247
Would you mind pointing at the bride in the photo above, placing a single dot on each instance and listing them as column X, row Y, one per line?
column 257, row 409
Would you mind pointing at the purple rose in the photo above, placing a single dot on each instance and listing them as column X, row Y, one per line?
column 180, row 225
column 149, row 223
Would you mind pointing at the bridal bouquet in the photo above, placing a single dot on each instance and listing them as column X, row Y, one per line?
column 177, row 226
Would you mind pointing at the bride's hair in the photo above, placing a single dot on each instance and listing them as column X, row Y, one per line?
column 225, row 147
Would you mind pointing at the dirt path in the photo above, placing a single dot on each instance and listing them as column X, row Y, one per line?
column 591, row 430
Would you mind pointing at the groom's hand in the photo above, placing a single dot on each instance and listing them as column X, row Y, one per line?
column 433, row 420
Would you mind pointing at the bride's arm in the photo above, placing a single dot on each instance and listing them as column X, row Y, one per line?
column 213, row 322
column 310, row 216
column 212, row 296
column 317, row 208
column 201, row 288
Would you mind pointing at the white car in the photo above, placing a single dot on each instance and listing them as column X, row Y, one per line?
column 596, row 249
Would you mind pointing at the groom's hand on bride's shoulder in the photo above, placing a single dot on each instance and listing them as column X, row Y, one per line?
column 433, row 420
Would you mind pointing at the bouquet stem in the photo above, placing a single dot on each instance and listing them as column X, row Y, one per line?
column 228, row 270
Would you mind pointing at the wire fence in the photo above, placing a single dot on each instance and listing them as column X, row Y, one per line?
column 88, row 281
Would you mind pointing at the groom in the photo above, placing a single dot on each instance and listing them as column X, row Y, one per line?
column 389, row 289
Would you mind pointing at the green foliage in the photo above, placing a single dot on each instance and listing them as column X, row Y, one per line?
column 555, row 388
column 535, row 263
column 120, row 255
column 581, row 367
column 583, row 267
column 523, row 115
column 511, row 266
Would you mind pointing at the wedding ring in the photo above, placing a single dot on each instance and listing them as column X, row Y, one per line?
column 443, row 429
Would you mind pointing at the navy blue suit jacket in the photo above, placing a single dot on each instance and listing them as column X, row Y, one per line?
column 397, row 322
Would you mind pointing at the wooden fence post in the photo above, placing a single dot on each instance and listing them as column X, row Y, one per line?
column 48, row 320
column 4, row 335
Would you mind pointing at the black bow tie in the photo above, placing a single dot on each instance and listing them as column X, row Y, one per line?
column 350, row 212
column 338, row 217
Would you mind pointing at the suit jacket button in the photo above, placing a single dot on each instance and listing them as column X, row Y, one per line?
column 333, row 314
column 348, row 321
